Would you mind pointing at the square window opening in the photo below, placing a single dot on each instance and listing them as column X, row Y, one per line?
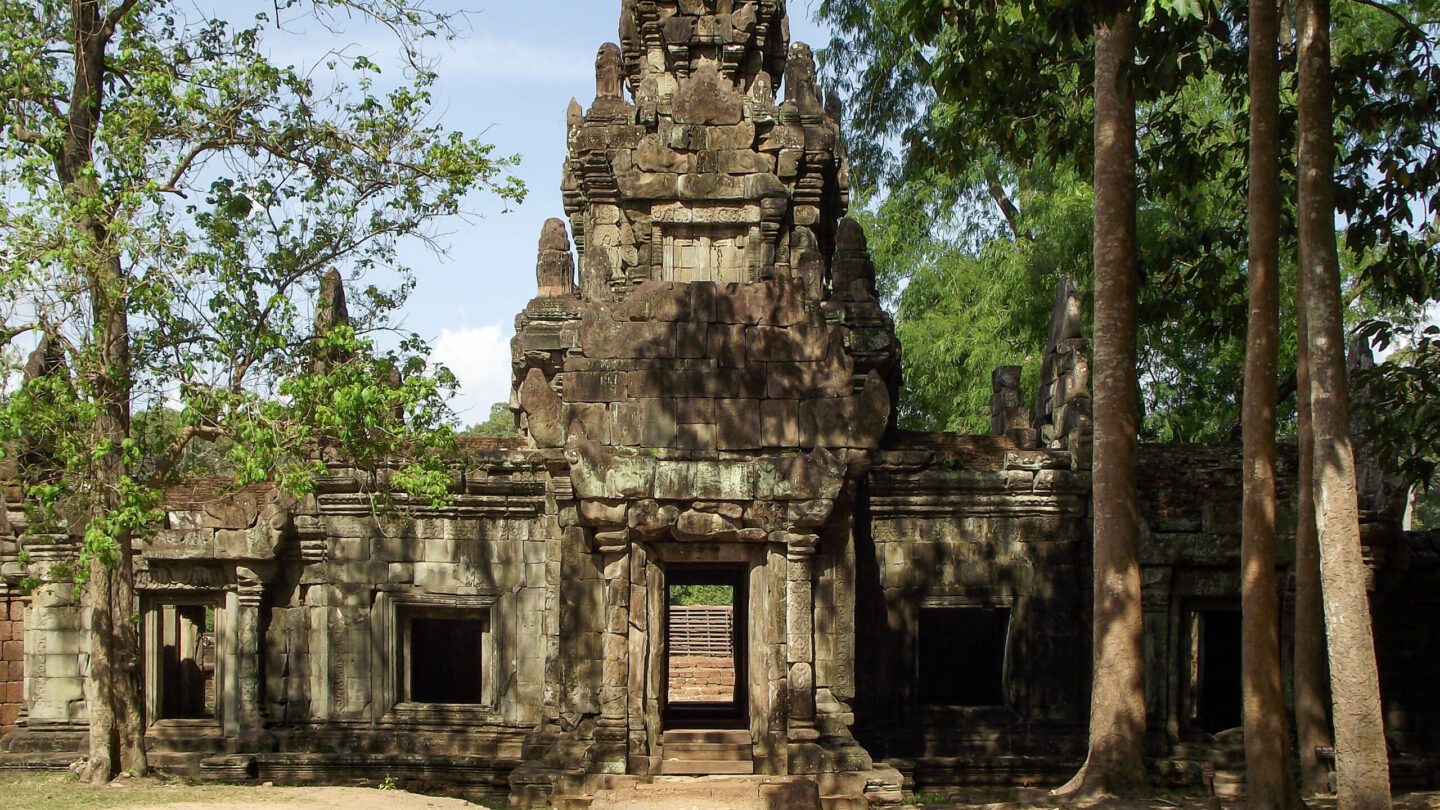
column 961, row 655
column 444, row 656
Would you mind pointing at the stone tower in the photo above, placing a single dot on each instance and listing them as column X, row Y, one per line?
column 710, row 389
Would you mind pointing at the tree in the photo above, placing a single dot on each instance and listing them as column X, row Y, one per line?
column 1312, row 681
column 1001, row 163
column 1115, row 761
column 1268, row 785
column 500, row 424
column 1361, row 762
column 174, row 203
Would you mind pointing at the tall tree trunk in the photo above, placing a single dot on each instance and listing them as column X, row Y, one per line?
column 1312, row 689
column 1115, row 762
column 116, row 726
column 1267, row 757
column 1360, row 756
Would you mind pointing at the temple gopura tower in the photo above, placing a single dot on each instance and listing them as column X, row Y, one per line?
column 709, row 401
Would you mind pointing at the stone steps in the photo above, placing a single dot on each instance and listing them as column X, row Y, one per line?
column 706, row 753
column 692, row 793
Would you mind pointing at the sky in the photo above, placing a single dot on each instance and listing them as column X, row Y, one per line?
column 508, row 80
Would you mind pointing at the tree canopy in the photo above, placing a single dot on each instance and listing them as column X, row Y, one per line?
column 975, row 180
column 197, row 231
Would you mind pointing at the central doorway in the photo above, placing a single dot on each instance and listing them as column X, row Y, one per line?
column 706, row 618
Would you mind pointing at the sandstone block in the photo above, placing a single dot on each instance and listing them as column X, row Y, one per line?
column 601, row 336
column 543, row 409
column 695, row 411
column 744, row 161
column 739, row 136
column 737, row 424
column 595, row 386
column 593, row 418
column 653, row 155
column 727, row 344
column 779, row 423
column 774, row 344
column 657, row 301
column 695, row 437
column 705, row 97
column 693, row 525
column 649, row 186
column 712, row 186
column 692, row 340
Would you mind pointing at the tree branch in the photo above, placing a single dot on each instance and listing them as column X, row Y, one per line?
column 118, row 13
column 1007, row 207
column 177, row 448
column 15, row 331
column 1410, row 26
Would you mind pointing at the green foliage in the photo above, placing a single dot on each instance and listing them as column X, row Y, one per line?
column 1427, row 511
column 686, row 595
column 1402, row 417
column 168, row 231
column 500, row 424
column 971, row 136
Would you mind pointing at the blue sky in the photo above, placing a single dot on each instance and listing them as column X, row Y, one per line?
column 509, row 79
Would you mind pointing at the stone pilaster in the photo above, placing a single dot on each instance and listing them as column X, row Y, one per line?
column 247, row 657
column 800, row 621
column 611, row 748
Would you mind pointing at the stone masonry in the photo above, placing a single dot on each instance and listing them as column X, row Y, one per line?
column 704, row 386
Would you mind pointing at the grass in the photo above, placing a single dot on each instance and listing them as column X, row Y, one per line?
column 57, row 791
column 60, row 791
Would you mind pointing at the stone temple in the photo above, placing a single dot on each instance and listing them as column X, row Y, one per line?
column 709, row 400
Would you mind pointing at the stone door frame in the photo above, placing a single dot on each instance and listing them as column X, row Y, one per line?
column 737, row 576
column 764, row 575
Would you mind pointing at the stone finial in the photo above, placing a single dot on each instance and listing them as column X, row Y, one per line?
column 834, row 107
column 609, row 71
column 554, row 266
column 801, row 85
column 330, row 310
column 575, row 115
column 850, row 237
column 852, row 271
column 1068, row 316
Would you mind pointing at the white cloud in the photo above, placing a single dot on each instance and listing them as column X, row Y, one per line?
column 480, row 358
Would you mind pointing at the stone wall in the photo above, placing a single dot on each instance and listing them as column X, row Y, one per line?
column 12, row 662
column 1405, row 602
column 973, row 524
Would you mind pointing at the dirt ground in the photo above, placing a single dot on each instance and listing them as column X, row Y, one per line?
column 57, row 791
column 49, row 791
column 1038, row 800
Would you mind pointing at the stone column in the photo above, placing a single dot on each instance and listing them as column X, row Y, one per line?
column 800, row 621
column 611, row 749
column 247, row 657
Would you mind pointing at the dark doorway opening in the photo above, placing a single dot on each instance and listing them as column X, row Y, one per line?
column 187, row 662
column 705, row 646
column 962, row 656
column 1215, row 670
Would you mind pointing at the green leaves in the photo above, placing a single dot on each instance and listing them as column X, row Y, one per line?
column 175, row 245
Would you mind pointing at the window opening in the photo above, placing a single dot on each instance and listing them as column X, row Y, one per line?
column 444, row 657
column 962, row 656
